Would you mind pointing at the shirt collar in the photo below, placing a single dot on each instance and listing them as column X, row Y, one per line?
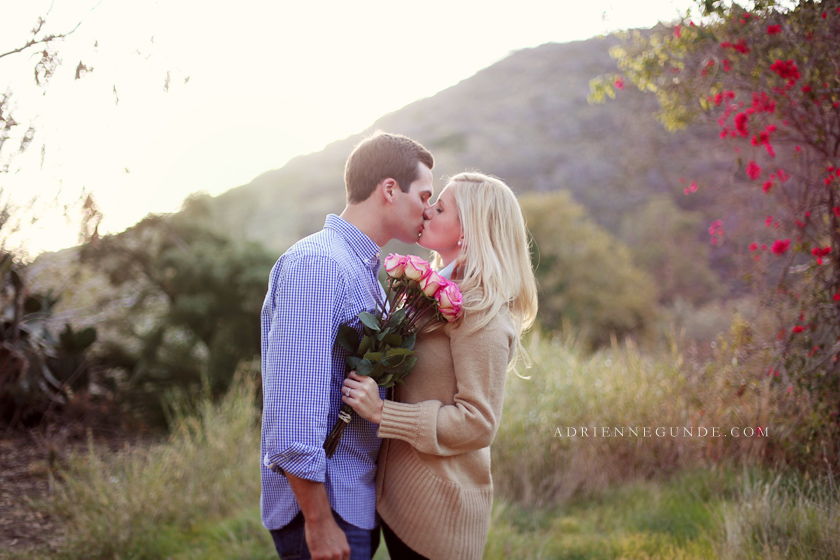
column 446, row 272
column 362, row 245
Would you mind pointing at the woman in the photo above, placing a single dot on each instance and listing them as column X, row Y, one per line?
column 434, row 489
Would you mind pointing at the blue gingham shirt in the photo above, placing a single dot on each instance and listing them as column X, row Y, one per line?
column 322, row 281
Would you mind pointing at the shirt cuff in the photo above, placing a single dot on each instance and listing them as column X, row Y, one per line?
column 400, row 421
column 299, row 460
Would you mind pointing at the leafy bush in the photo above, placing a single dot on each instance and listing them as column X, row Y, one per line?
column 585, row 275
column 38, row 371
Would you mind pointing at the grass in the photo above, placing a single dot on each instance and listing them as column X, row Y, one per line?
column 196, row 495
column 128, row 505
column 619, row 387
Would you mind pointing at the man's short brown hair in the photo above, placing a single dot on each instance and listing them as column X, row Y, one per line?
column 383, row 156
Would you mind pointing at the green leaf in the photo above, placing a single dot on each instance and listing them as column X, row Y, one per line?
column 366, row 345
column 399, row 352
column 397, row 317
column 409, row 363
column 409, row 341
column 365, row 367
column 85, row 338
column 394, row 340
column 374, row 356
column 353, row 362
column 397, row 356
column 378, row 370
column 32, row 305
column 370, row 321
column 347, row 338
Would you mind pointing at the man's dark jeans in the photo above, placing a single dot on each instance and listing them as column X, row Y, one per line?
column 290, row 541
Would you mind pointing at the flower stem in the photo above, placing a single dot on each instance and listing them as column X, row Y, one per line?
column 334, row 437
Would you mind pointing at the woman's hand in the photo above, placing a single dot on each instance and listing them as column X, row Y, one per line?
column 362, row 393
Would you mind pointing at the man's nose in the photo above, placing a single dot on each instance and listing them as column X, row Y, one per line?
column 427, row 213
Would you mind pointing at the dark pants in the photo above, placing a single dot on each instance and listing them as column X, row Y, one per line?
column 397, row 549
column 290, row 541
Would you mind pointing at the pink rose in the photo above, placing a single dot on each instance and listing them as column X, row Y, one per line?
column 449, row 301
column 432, row 282
column 395, row 265
column 450, row 313
column 416, row 268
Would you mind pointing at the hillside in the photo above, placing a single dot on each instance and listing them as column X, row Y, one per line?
column 525, row 119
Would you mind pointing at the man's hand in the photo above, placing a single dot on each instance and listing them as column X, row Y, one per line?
column 325, row 539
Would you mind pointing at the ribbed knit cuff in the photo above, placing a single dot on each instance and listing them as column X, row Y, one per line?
column 400, row 421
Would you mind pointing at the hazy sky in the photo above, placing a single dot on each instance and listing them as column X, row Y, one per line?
column 268, row 80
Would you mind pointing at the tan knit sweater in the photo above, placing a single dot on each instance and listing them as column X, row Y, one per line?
column 433, row 481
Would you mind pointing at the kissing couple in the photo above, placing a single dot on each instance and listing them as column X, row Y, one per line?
column 416, row 464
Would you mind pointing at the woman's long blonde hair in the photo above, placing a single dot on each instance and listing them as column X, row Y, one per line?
column 493, row 269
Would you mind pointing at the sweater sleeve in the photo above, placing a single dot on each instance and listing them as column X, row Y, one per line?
column 480, row 360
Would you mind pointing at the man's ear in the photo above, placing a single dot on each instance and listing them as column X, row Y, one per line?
column 389, row 188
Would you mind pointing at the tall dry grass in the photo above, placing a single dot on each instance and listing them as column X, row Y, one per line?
column 147, row 502
column 620, row 387
column 781, row 518
column 116, row 506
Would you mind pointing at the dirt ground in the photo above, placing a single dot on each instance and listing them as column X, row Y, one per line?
column 26, row 463
column 30, row 463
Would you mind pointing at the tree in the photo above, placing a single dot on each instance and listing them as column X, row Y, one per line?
column 585, row 275
column 195, row 299
column 665, row 244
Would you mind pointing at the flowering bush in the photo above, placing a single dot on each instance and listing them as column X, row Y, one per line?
column 769, row 78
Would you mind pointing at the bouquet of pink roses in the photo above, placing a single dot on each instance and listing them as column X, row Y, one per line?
column 385, row 350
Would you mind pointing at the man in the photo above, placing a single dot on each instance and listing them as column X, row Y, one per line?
column 310, row 504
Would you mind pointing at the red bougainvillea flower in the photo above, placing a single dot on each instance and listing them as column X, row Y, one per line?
column 740, row 46
column 767, row 186
column 774, row 29
column 753, row 170
column 820, row 252
column 677, row 32
column 753, row 247
column 780, row 246
column 786, row 69
column 798, row 329
column 619, row 83
column 741, row 120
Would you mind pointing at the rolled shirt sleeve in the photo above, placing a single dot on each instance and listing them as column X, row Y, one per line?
column 308, row 297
